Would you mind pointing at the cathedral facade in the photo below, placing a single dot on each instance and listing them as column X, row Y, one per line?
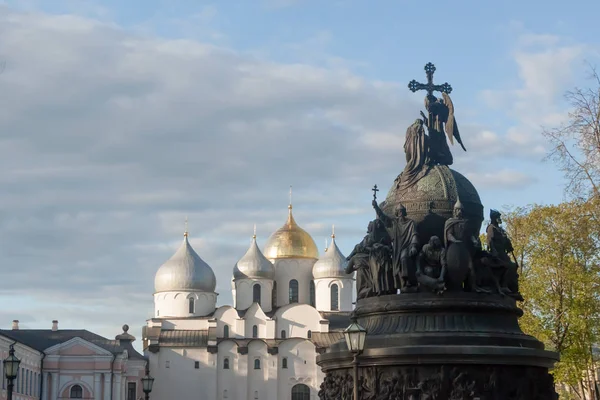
column 289, row 305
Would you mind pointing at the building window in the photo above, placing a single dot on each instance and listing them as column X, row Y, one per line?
column 226, row 331
column 257, row 363
column 274, row 295
column 293, row 291
column 191, row 305
column 256, row 293
column 76, row 392
column 131, row 391
column 167, row 364
column 197, row 364
column 226, row 363
column 255, row 394
column 300, row 392
column 225, row 394
column 309, row 334
column 283, row 336
column 284, row 363
column 312, row 294
column 255, row 331
column 26, row 391
column 335, row 297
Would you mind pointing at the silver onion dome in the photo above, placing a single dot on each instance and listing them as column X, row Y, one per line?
column 332, row 264
column 254, row 264
column 185, row 270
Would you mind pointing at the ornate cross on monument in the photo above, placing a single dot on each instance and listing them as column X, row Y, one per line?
column 375, row 190
column 429, row 86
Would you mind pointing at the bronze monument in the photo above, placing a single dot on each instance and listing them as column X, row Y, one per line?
column 440, row 310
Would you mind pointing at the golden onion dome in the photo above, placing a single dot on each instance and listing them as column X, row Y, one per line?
column 290, row 241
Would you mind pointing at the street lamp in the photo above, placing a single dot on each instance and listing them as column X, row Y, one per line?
column 355, row 340
column 11, row 368
column 147, row 382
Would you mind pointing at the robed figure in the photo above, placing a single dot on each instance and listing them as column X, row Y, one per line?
column 405, row 242
column 460, row 249
column 416, row 148
column 500, row 246
column 371, row 260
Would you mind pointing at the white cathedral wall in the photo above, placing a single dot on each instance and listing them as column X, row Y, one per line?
column 176, row 376
column 187, row 324
column 244, row 293
column 227, row 315
column 323, row 293
column 302, row 368
column 296, row 320
column 299, row 269
column 176, row 304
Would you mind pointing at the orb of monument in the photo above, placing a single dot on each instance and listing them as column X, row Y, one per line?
column 430, row 201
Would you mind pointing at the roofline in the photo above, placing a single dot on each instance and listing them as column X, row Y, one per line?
column 186, row 290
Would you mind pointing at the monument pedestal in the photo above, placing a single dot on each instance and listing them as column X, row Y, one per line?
column 455, row 346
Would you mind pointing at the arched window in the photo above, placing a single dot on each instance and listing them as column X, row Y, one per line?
column 256, row 293
column 300, row 392
column 255, row 331
column 283, row 335
column 284, row 363
column 255, row 394
column 191, row 305
column 76, row 392
column 274, row 295
column 226, row 363
column 225, row 394
column 257, row 363
column 309, row 334
column 335, row 297
column 293, row 291
column 226, row 331
column 312, row 293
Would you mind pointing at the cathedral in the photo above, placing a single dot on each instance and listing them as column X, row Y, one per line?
column 289, row 305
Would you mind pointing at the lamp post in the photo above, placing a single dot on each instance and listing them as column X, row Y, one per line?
column 147, row 382
column 355, row 340
column 11, row 368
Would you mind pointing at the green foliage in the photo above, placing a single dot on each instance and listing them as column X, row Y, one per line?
column 558, row 249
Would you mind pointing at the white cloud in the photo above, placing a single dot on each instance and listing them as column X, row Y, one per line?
column 505, row 178
column 109, row 139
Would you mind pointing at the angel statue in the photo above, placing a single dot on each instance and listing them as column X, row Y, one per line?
column 441, row 119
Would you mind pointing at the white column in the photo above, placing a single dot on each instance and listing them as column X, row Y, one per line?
column 97, row 386
column 107, row 386
column 117, row 393
column 44, row 394
column 55, row 385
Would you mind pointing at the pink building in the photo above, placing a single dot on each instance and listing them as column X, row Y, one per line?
column 61, row 364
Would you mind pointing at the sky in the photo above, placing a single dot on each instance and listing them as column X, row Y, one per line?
column 119, row 119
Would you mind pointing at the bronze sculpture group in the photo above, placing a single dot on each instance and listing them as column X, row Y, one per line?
column 390, row 258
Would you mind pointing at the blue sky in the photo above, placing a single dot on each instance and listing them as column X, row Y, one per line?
column 120, row 118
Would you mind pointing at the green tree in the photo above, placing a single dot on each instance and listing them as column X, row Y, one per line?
column 558, row 248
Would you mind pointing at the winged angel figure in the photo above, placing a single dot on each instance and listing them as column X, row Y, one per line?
column 441, row 119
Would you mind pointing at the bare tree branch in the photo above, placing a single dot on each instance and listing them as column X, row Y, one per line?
column 576, row 144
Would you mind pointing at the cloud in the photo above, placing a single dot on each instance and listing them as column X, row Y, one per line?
column 109, row 139
column 546, row 66
column 505, row 178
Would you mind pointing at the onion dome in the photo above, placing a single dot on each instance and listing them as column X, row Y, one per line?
column 290, row 241
column 332, row 264
column 253, row 264
column 185, row 270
